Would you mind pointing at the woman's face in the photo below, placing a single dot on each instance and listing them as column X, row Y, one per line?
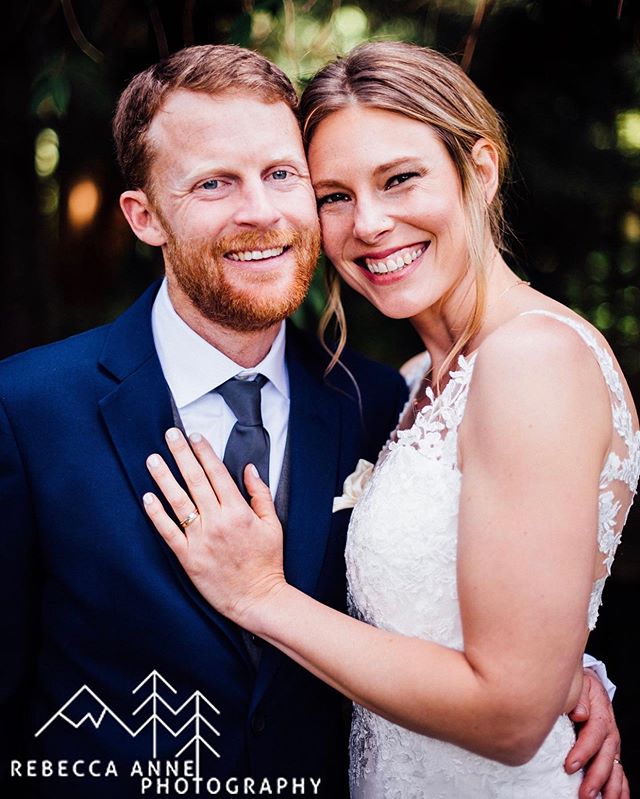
column 390, row 208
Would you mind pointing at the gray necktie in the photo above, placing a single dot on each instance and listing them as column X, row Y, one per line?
column 249, row 441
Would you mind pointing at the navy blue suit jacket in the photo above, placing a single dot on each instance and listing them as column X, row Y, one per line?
column 93, row 602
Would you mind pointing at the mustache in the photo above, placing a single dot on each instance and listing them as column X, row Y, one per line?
column 301, row 240
column 256, row 240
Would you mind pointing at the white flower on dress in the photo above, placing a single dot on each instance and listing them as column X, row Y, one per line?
column 354, row 486
column 608, row 538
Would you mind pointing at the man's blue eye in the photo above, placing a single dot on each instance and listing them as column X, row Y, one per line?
column 210, row 184
column 280, row 174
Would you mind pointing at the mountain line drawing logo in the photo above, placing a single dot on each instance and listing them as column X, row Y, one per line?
column 157, row 704
column 178, row 774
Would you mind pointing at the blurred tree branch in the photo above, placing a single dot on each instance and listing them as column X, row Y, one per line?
column 78, row 36
column 187, row 23
column 483, row 7
column 158, row 29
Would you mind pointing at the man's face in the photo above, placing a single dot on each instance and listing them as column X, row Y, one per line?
column 230, row 185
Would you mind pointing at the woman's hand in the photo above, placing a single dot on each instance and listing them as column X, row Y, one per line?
column 231, row 552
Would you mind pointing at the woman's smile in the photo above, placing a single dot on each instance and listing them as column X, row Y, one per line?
column 392, row 261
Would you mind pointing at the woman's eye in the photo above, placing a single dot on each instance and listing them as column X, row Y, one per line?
column 280, row 174
column 211, row 184
column 396, row 180
column 330, row 199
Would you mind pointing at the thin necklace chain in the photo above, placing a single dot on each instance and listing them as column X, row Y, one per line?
column 512, row 286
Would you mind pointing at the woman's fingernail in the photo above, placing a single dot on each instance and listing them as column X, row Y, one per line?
column 148, row 499
column 195, row 437
column 254, row 471
column 153, row 461
column 574, row 765
column 173, row 434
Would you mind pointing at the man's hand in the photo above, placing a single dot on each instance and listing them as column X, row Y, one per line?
column 597, row 748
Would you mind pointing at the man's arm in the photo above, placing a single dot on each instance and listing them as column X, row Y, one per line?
column 17, row 601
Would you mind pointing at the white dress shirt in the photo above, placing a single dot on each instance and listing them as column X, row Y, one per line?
column 193, row 368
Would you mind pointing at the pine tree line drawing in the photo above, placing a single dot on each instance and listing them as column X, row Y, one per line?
column 154, row 702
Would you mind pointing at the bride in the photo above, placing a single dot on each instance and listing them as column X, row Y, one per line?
column 480, row 545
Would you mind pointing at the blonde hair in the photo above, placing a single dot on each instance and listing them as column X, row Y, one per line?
column 424, row 85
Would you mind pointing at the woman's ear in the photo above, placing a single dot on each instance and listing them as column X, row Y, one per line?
column 142, row 218
column 485, row 159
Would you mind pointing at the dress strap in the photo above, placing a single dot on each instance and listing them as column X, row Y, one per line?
column 622, row 419
column 621, row 470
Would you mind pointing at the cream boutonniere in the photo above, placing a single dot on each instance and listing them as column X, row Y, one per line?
column 354, row 486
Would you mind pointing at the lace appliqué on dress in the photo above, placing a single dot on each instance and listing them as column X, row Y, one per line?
column 435, row 429
column 401, row 558
column 622, row 467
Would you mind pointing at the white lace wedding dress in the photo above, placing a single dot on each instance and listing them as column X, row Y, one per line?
column 401, row 567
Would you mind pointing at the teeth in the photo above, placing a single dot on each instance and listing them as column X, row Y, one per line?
column 394, row 262
column 255, row 255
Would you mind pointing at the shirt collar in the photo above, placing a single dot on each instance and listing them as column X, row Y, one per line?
column 192, row 367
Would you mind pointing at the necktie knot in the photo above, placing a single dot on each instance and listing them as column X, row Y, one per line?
column 243, row 397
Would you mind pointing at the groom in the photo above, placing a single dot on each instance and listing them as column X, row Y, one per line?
column 118, row 679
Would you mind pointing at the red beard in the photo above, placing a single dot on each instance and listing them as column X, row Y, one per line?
column 201, row 271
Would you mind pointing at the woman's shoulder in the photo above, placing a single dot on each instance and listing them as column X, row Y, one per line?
column 551, row 335
column 536, row 386
column 547, row 360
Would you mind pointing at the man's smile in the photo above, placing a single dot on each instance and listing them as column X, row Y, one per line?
column 256, row 255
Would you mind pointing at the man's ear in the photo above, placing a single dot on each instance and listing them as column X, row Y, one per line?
column 142, row 218
column 485, row 158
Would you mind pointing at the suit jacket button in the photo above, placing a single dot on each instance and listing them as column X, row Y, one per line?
column 258, row 723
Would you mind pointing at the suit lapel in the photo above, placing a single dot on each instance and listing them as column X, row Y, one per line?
column 314, row 438
column 136, row 413
column 314, row 424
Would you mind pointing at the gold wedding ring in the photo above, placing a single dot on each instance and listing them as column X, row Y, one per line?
column 190, row 518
